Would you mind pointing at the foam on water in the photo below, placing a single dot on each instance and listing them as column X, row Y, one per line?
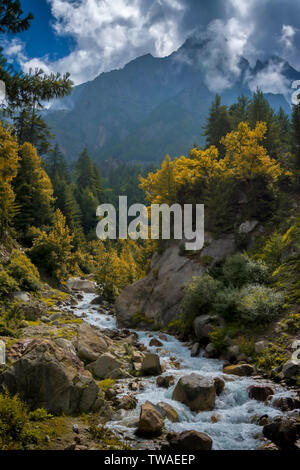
column 234, row 409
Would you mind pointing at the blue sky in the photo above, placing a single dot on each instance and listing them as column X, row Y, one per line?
column 87, row 37
column 41, row 39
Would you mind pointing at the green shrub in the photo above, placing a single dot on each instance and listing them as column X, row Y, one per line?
column 274, row 356
column 217, row 338
column 199, row 298
column 240, row 270
column 15, row 428
column 8, row 285
column 14, row 315
column 6, row 331
column 23, row 271
column 225, row 302
column 259, row 304
column 39, row 415
column 106, row 384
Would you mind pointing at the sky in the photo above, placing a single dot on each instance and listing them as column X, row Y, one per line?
column 88, row 37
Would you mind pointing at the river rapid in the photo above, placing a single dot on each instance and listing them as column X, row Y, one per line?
column 234, row 409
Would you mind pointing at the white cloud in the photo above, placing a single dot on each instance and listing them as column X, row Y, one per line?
column 108, row 34
column 287, row 36
column 270, row 80
column 222, row 45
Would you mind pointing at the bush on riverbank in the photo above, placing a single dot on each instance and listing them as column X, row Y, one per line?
column 15, row 428
column 237, row 292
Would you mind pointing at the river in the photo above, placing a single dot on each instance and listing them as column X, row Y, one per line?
column 235, row 410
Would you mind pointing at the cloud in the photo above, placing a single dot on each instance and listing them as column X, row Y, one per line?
column 270, row 79
column 108, row 34
column 287, row 36
column 218, row 54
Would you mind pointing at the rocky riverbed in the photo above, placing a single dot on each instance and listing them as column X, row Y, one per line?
column 233, row 407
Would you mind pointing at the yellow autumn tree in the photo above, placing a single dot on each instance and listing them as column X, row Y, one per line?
column 160, row 187
column 8, row 171
column 245, row 156
column 53, row 251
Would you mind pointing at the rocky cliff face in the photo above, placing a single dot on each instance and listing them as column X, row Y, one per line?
column 156, row 299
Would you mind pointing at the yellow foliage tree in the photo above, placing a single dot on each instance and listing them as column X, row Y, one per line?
column 53, row 251
column 160, row 187
column 245, row 156
column 8, row 171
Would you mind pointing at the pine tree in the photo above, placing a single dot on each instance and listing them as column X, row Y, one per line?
column 260, row 111
column 30, row 127
column 88, row 192
column 285, row 133
column 218, row 125
column 11, row 20
column 239, row 111
column 34, row 192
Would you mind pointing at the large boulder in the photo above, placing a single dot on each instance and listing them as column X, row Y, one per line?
column 260, row 392
column 66, row 345
column 90, row 344
column 84, row 285
column 151, row 365
column 48, row 377
column 151, row 422
column 205, row 325
column 241, row 370
column 291, row 369
column 196, row 391
column 283, row 431
column 168, row 412
column 104, row 366
column 156, row 298
column 190, row 441
column 34, row 311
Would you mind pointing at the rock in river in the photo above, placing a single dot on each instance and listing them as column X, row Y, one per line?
column 151, row 421
column 104, row 366
column 196, row 391
column 151, row 365
column 241, row 370
column 260, row 392
column 190, row 441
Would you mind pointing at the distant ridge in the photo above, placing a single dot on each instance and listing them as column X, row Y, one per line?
column 151, row 107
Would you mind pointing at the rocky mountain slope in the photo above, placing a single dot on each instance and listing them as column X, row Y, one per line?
column 151, row 107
